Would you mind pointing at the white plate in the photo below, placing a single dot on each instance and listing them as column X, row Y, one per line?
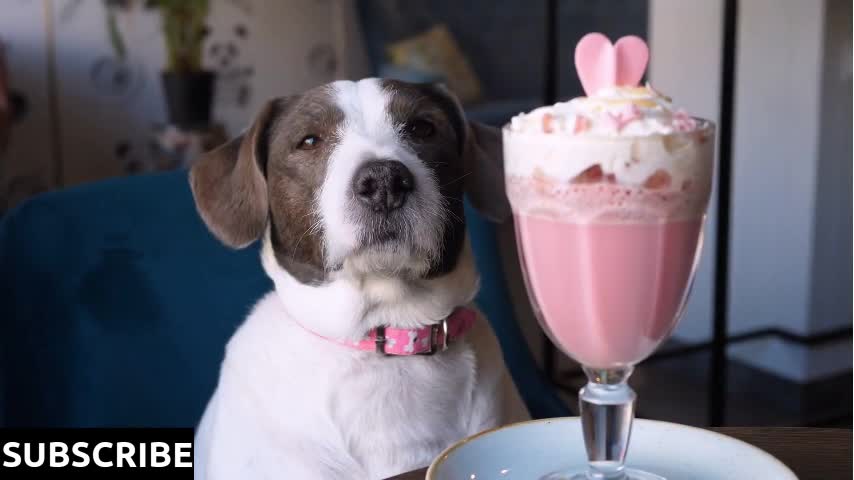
column 529, row 450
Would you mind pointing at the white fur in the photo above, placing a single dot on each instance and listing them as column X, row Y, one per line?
column 292, row 405
column 369, row 134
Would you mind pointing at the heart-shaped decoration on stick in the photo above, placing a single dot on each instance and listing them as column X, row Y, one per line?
column 600, row 64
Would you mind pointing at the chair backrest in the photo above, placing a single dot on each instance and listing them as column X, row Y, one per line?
column 494, row 299
column 117, row 303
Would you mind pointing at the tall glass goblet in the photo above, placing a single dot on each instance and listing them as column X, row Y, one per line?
column 609, row 231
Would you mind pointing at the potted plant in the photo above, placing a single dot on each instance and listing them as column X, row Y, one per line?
column 187, row 86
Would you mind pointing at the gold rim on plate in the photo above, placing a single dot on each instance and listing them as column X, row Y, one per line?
column 440, row 459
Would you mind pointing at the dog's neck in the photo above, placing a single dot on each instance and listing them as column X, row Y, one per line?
column 349, row 304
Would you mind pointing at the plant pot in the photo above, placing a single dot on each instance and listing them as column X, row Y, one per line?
column 189, row 96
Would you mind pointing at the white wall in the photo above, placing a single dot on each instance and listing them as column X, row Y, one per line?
column 687, row 68
column 27, row 167
column 785, row 239
column 96, row 114
column 775, row 153
column 291, row 45
column 790, row 264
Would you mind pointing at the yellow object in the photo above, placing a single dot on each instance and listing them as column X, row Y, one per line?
column 436, row 51
column 640, row 102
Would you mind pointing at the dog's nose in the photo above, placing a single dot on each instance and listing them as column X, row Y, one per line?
column 383, row 185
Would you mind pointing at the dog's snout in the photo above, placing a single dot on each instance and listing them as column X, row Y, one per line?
column 383, row 185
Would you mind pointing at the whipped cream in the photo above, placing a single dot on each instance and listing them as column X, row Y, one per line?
column 625, row 139
column 612, row 111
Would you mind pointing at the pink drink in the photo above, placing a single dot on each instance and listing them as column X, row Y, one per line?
column 608, row 228
column 609, row 293
column 609, row 193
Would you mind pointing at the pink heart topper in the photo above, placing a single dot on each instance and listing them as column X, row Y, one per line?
column 600, row 64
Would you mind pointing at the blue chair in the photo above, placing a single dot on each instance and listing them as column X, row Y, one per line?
column 116, row 305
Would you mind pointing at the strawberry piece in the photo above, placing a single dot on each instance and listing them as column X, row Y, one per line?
column 590, row 175
column 658, row 180
column 582, row 124
column 548, row 123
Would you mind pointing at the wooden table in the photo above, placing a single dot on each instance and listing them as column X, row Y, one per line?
column 812, row 453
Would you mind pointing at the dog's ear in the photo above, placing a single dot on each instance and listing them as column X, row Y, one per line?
column 229, row 186
column 483, row 156
column 484, row 182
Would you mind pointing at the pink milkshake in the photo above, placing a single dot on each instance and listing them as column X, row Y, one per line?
column 609, row 194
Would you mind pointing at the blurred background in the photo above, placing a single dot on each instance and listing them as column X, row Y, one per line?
column 99, row 89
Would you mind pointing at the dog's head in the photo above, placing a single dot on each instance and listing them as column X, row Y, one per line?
column 365, row 175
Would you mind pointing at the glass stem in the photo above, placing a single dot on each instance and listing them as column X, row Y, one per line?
column 607, row 405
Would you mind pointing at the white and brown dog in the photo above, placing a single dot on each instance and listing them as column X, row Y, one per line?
column 356, row 190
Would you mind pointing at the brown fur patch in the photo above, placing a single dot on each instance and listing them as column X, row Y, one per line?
column 295, row 176
column 264, row 176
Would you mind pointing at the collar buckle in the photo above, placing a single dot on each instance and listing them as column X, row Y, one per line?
column 435, row 345
column 380, row 340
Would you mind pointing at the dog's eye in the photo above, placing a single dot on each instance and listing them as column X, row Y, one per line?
column 309, row 142
column 420, row 129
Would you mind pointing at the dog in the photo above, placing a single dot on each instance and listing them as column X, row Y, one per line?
column 368, row 358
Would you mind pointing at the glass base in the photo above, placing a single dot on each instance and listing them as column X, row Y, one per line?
column 607, row 406
column 584, row 474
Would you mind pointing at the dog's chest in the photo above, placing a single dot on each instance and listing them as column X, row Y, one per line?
column 360, row 414
column 395, row 411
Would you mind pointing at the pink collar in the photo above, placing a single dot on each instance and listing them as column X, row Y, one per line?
column 415, row 341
